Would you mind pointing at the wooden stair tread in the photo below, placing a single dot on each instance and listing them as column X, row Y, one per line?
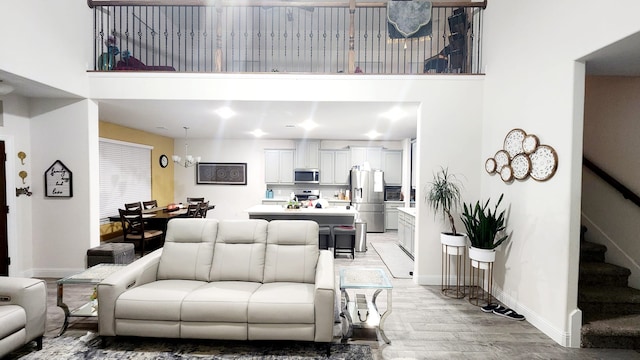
column 598, row 268
column 627, row 325
column 609, row 294
column 587, row 246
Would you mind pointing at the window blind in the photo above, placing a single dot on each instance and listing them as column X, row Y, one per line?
column 125, row 175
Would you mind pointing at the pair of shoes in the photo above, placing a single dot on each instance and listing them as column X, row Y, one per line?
column 491, row 308
column 508, row 313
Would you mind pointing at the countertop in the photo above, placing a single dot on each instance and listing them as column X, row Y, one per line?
column 279, row 210
column 408, row 210
column 332, row 200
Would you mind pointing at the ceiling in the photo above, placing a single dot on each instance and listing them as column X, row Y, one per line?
column 277, row 119
column 280, row 120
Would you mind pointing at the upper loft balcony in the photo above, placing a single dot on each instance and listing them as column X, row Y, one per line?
column 311, row 37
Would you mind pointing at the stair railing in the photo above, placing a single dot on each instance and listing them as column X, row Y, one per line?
column 625, row 191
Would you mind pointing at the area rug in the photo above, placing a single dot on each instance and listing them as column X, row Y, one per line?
column 397, row 261
column 89, row 347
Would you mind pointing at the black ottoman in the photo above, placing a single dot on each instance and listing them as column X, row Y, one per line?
column 111, row 253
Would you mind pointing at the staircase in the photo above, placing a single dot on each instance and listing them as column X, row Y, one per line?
column 610, row 309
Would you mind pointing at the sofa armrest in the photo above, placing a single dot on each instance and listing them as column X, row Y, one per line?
column 324, row 299
column 31, row 295
column 139, row 272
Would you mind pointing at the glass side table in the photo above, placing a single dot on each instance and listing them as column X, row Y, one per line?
column 93, row 276
column 362, row 313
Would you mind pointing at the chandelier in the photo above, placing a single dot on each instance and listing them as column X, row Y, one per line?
column 189, row 160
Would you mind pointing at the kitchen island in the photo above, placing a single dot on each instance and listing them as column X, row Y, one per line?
column 338, row 215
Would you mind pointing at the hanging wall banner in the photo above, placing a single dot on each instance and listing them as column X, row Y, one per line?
column 409, row 18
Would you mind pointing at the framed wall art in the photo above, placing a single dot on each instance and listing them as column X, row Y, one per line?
column 221, row 173
column 58, row 180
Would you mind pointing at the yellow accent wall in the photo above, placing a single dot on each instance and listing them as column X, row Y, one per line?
column 161, row 178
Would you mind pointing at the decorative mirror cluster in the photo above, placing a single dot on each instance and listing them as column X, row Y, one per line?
column 523, row 156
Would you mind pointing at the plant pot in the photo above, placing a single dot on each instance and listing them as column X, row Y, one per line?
column 453, row 242
column 480, row 258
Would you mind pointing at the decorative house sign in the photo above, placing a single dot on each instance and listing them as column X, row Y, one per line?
column 58, row 180
column 521, row 157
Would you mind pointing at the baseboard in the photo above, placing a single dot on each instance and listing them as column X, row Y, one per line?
column 558, row 335
column 427, row 279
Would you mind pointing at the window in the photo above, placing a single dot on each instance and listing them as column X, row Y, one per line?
column 125, row 175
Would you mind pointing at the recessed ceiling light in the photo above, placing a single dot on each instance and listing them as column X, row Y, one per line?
column 258, row 133
column 290, row 126
column 308, row 124
column 394, row 114
column 373, row 134
column 225, row 112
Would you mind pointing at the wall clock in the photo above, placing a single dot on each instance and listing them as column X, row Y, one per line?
column 164, row 160
column 58, row 180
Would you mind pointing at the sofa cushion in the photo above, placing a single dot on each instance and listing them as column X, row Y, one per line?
column 239, row 251
column 292, row 251
column 188, row 249
column 282, row 303
column 12, row 318
column 220, row 301
column 157, row 300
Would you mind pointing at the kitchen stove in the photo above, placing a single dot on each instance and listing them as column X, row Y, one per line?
column 307, row 194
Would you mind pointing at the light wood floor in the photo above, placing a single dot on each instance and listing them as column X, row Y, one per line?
column 427, row 325
column 423, row 324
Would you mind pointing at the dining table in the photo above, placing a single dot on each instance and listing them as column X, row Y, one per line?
column 157, row 218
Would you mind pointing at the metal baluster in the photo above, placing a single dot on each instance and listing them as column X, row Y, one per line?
column 192, row 35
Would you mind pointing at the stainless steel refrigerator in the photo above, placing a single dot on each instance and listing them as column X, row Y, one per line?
column 367, row 196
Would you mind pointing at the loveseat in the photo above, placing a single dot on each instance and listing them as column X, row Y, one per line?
column 23, row 312
column 226, row 280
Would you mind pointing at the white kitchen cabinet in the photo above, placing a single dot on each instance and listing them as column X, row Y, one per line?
column 391, row 214
column 334, row 167
column 392, row 167
column 406, row 229
column 307, row 154
column 278, row 166
column 414, row 164
column 372, row 155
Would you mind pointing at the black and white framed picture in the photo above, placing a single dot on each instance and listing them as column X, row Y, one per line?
column 58, row 180
column 221, row 173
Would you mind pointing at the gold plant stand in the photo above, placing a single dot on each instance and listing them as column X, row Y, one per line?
column 478, row 272
column 450, row 255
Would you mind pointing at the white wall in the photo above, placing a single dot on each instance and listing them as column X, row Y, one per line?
column 15, row 132
column 64, row 228
column 230, row 200
column 611, row 131
column 533, row 82
column 47, row 42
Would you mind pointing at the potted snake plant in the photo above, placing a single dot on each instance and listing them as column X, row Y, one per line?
column 444, row 197
column 485, row 230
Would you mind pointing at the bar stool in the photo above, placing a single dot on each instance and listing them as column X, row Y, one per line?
column 324, row 239
column 344, row 240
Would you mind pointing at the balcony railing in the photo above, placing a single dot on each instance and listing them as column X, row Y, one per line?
column 290, row 37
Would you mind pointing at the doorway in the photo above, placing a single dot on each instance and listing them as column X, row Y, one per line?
column 4, row 243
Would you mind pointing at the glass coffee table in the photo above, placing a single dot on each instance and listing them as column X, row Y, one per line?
column 362, row 313
column 92, row 276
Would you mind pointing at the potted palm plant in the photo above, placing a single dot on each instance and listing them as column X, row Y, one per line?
column 485, row 230
column 443, row 197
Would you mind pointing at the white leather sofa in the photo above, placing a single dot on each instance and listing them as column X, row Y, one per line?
column 23, row 312
column 228, row 279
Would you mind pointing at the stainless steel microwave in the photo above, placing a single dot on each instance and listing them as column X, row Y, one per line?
column 306, row 176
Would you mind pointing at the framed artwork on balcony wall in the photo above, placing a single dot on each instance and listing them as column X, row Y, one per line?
column 221, row 173
column 58, row 180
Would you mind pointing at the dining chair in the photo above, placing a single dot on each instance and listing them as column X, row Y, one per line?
column 194, row 200
column 133, row 228
column 202, row 209
column 150, row 204
column 193, row 210
column 133, row 206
